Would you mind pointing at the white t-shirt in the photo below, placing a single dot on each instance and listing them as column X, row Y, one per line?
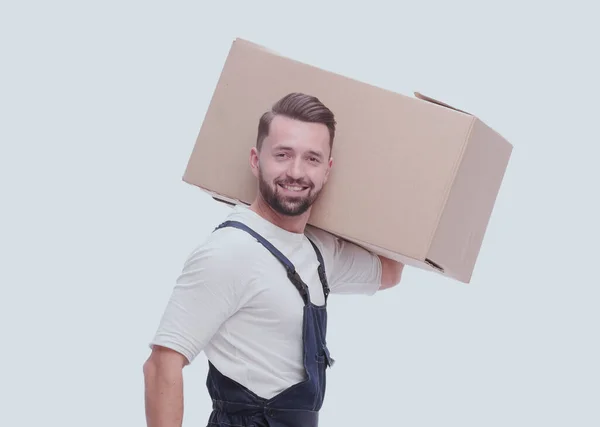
column 234, row 301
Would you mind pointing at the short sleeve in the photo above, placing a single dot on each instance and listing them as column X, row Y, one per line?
column 206, row 294
column 350, row 268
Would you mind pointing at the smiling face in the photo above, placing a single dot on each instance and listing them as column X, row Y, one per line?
column 292, row 165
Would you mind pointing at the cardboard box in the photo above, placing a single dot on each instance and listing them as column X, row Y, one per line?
column 413, row 179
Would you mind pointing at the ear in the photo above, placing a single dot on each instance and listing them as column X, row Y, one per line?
column 254, row 155
column 329, row 166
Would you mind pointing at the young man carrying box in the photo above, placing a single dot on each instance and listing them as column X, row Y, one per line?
column 253, row 295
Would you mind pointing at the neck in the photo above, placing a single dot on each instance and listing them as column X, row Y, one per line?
column 293, row 224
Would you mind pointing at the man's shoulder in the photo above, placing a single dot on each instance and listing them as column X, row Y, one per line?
column 223, row 247
column 351, row 268
column 334, row 246
column 226, row 244
column 324, row 240
column 327, row 244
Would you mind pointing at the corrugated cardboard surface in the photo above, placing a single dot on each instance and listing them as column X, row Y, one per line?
column 412, row 179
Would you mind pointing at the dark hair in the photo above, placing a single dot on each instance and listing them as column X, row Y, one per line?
column 301, row 107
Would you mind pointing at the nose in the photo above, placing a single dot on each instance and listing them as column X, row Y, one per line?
column 296, row 169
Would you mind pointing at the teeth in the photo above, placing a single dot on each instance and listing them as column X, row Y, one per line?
column 293, row 188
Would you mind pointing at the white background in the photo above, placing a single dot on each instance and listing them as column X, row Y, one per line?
column 100, row 105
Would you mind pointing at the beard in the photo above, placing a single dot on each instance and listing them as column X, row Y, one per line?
column 283, row 204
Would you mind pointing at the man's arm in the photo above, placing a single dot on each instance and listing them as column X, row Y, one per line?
column 207, row 292
column 163, row 378
column 391, row 272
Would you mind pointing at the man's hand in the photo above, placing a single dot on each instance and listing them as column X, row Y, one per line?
column 391, row 272
column 163, row 378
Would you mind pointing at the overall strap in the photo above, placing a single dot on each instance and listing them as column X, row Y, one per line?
column 290, row 268
column 321, row 270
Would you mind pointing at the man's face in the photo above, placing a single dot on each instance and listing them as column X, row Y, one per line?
column 293, row 165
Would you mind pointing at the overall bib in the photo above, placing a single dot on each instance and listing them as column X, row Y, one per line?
column 298, row 405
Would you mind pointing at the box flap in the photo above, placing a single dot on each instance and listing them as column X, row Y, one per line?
column 435, row 101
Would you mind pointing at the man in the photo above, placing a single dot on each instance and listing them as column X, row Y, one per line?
column 253, row 295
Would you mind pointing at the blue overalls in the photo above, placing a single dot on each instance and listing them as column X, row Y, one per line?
column 298, row 405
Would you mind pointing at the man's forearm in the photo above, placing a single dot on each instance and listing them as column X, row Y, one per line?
column 163, row 396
